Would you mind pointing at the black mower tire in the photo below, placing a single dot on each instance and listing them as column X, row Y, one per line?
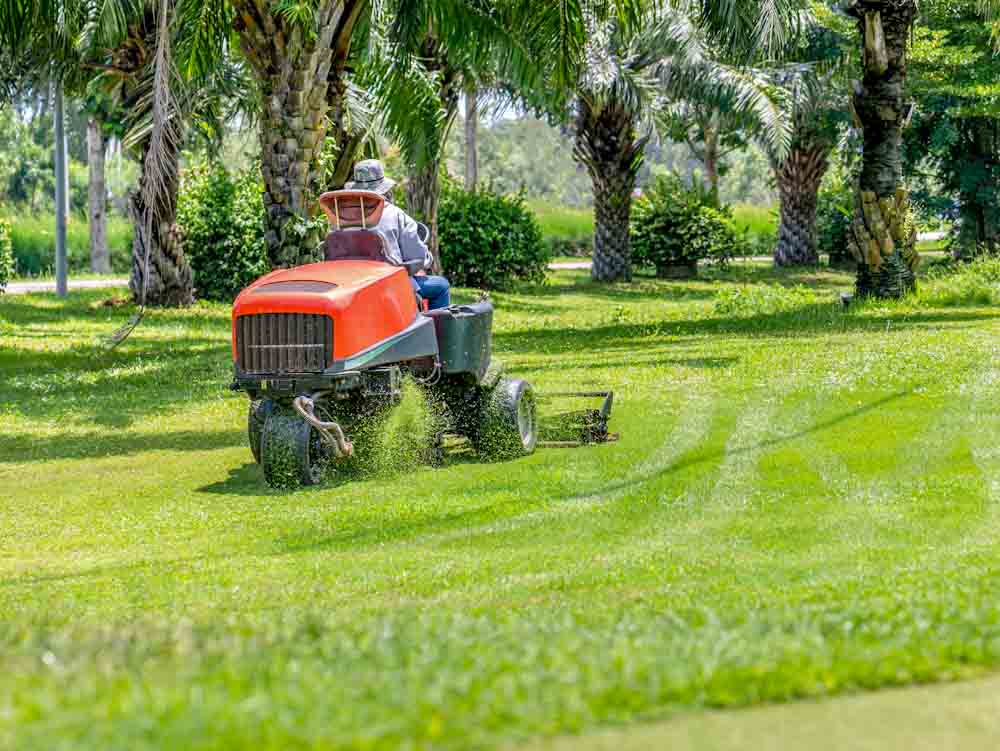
column 256, row 417
column 508, row 425
column 292, row 452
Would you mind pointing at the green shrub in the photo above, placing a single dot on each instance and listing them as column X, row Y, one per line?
column 34, row 240
column 222, row 221
column 6, row 255
column 834, row 213
column 488, row 240
column 674, row 227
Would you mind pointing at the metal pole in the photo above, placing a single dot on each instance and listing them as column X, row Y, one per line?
column 62, row 287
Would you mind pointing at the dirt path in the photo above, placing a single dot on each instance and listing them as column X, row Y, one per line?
column 23, row 288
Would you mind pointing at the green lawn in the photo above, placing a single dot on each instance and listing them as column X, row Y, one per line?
column 804, row 502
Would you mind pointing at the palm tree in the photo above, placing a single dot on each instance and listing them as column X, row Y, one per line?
column 884, row 238
column 299, row 53
column 616, row 66
column 814, row 106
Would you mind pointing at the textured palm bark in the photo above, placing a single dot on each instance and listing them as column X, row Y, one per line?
column 471, row 138
column 607, row 145
column 423, row 193
column 170, row 282
column 798, row 178
column 100, row 262
column 423, row 185
column 300, row 76
column 883, row 242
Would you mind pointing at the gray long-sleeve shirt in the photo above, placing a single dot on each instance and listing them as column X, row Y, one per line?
column 402, row 238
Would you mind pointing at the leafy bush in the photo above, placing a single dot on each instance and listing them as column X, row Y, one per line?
column 34, row 241
column 834, row 214
column 488, row 240
column 6, row 255
column 675, row 226
column 222, row 221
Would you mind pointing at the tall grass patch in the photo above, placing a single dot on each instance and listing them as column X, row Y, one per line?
column 33, row 238
column 959, row 284
column 567, row 231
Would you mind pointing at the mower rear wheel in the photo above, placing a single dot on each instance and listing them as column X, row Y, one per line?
column 292, row 452
column 256, row 417
column 508, row 421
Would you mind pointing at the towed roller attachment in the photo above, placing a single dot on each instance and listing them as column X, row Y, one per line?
column 580, row 427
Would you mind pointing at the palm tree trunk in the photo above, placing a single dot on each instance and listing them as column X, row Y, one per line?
column 471, row 138
column 798, row 178
column 423, row 194
column 170, row 282
column 607, row 145
column 298, row 75
column 423, row 186
column 711, row 132
column 884, row 238
column 99, row 260
column 980, row 226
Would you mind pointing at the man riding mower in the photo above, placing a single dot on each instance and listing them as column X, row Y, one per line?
column 324, row 348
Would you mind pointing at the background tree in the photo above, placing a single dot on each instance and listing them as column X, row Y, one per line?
column 615, row 66
column 298, row 52
column 884, row 236
column 814, row 103
column 952, row 149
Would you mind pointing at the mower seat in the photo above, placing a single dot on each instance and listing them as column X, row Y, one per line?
column 355, row 245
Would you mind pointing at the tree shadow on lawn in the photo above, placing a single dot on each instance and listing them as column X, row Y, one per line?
column 113, row 389
column 805, row 321
column 20, row 448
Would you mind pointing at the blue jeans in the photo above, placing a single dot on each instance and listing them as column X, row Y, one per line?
column 434, row 289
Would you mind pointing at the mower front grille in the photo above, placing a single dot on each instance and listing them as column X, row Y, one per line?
column 276, row 343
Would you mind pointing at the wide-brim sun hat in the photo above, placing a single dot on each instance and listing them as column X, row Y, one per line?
column 370, row 175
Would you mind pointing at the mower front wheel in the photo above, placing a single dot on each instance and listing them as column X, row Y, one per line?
column 508, row 425
column 256, row 418
column 292, row 452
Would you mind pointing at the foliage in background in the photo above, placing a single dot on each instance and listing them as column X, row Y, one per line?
column 674, row 226
column 488, row 240
column 834, row 214
column 34, row 239
column 6, row 255
column 952, row 148
column 222, row 220
column 525, row 153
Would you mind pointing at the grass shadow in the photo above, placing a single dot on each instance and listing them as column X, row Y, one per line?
column 20, row 448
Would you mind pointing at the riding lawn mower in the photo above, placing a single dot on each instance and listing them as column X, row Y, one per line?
column 321, row 348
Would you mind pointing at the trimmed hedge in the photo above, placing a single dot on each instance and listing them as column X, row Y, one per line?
column 222, row 222
column 489, row 241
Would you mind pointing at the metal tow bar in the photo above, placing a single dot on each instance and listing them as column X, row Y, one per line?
column 330, row 431
column 579, row 427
